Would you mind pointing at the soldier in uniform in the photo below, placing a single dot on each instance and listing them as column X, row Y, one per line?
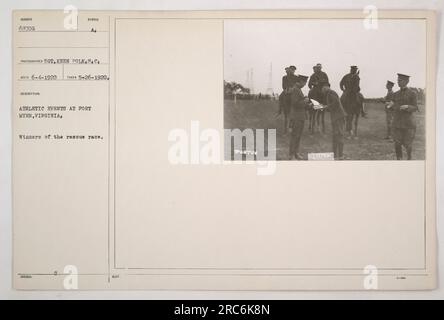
column 317, row 116
column 316, row 78
column 351, row 81
column 404, row 104
column 334, row 106
column 299, row 104
column 288, row 81
column 389, row 111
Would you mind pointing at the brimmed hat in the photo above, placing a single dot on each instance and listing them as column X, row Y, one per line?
column 403, row 76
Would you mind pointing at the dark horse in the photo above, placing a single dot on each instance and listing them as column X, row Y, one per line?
column 353, row 102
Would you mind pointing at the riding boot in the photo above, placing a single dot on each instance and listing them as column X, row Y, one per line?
column 387, row 137
column 363, row 113
column 409, row 152
column 323, row 123
column 398, row 150
column 335, row 148
column 340, row 150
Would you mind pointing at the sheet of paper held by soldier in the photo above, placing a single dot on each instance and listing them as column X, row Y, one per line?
column 240, row 150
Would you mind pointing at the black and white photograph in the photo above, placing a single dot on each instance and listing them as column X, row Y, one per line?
column 333, row 89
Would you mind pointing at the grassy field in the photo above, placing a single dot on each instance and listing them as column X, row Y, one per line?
column 370, row 145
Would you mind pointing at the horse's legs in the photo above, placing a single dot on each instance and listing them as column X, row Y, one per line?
column 318, row 114
column 309, row 117
column 285, row 122
column 348, row 124
column 323, row 121
column 312, row 120
column 309, row 120
column 356, row 125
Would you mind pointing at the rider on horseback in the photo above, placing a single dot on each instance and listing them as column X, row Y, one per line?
column 352, row 99
column 316, row 116
column 316, row 79
column 288, row 82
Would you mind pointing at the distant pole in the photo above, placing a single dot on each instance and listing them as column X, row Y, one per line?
column 270, row 81
column 247, row 81
column 251, row 81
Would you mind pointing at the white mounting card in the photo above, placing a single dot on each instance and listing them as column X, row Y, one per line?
column 173, row 150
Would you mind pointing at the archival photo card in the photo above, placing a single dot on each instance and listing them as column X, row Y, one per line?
column 223, row 150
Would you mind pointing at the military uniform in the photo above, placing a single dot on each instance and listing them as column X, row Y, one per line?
column 337, row 115
column 350, row 82
column 297, row 119
column 403, row 124
column 313, row 84
column 389, row 112
column 288, row 82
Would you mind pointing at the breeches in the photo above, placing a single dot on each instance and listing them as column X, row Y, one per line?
column 297, row 127
column 404, row 136
column 338, row 130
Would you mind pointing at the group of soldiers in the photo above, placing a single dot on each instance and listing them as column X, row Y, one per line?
column 345, row 110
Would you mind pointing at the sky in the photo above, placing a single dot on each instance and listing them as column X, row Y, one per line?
column 396, row 46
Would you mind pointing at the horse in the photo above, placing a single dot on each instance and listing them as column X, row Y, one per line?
column 353, row 103
column 316, row 119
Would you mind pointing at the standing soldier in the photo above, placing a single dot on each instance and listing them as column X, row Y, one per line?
column 404, row 103
column 288, row 82
column 299, row 104
column 389, row 111
column 334, row 106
